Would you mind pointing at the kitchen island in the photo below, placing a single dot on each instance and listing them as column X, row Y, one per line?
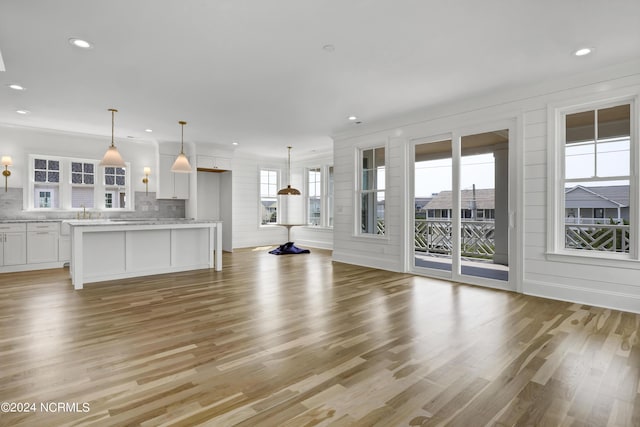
column 106, row 249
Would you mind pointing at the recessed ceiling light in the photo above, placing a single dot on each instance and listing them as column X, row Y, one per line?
column 148, row 130
column 584, row 51
column 23, row 112
column 352, row 118
column 235, row 143
column 16, row 87
column 81, row 43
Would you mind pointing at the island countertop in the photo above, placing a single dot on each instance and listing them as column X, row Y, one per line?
column 136, row 221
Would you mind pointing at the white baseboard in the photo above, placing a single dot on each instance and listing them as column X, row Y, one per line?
column 367, row 261
column 303, row 243
column 30, row 267
column 598, row 298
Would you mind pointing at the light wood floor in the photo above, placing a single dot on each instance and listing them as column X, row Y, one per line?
column 301, row 341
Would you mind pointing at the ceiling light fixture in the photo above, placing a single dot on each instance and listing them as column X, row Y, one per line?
column 23, row 112
column 181, row 165
column 83, row 44
column 235, row 143
column 352, row 118
column 584, row 51
column 16, row 87
column 289, row 190
column 148, row 130
column 112, row 157
column 328, row 48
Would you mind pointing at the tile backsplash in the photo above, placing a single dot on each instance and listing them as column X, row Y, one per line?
column 146, row 206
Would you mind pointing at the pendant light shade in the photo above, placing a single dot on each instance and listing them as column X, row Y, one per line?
column 112, row 157
column 289, row 190
column 181, row 165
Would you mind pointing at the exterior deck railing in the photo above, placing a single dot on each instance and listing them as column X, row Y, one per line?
column 597, row 237
column 478, row 237
column 435, row 236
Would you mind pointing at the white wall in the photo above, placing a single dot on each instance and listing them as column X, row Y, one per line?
column 312, row 237
column 247, row 231
column 611, row 285
column 19, row 142
column 208, row 195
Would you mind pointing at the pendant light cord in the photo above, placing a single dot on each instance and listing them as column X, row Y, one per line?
column 289, row 168
column 113, row 119
column 182, row 136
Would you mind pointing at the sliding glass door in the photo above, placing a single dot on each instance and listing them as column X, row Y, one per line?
column 461, row 222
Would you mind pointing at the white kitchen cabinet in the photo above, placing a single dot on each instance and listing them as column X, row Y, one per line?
column 171, row 185
column 42, row 242
column 64, row 243
column 13, row 244
column 64, row 249
column 211, row 163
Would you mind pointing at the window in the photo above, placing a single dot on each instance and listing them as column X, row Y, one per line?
column 320, row 196
column 595, row 190
column 268, row 196
column 115, row 195
column 82, row 184
column 74, row 184
column 314, row 196
column 329, row 197
column 46, row 183
column 371, row 192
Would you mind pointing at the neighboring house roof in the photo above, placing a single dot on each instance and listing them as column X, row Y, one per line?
column 611, row 196
column 421, row 202
column 484, row 199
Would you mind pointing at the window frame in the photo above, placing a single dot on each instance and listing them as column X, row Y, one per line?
column 325, row 196
column 358, row 191
column 115, row 189
column 556, row 123
column 277, row 172
column 65, row 185
column 318, row 183
column 73, row 185
column 31, row 199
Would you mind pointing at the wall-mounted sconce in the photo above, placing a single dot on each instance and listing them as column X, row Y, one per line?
column 6, row 162
column 145, row 180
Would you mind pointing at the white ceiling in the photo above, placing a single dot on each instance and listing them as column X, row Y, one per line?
column 255, row 71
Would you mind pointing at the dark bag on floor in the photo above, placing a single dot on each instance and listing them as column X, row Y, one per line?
column 289, row 248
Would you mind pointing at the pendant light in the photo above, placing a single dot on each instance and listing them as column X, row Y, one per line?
column 289, row 190
column 181, row 165
column 112, row 157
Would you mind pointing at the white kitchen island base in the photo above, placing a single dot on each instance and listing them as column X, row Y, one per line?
column 107, row 250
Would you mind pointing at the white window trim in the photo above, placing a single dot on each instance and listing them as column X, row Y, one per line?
column 556, row 114
column 102, row 187
column 64, row 186
column 259, row 199
column 357, row 231
column 324, row 197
